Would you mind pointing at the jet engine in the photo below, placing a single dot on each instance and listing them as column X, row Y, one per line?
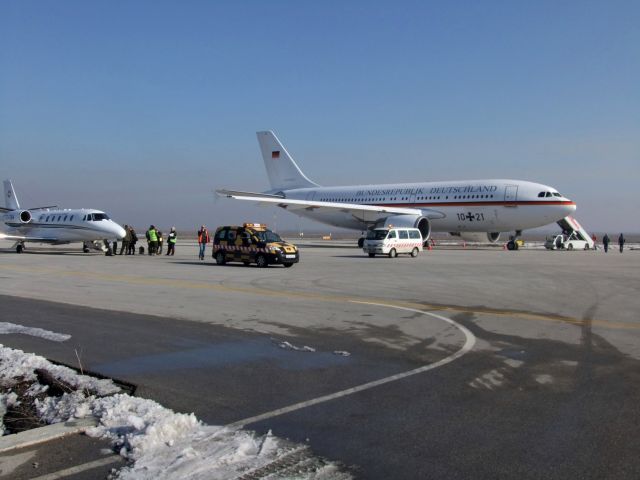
column 25, row 216
column 478, row 237
column 408, row 221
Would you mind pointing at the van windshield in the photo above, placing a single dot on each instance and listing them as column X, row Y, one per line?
column 268, row 236
column 376, row 235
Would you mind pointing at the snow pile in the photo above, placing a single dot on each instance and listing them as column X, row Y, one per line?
column 160, row 443
column 8, row 328
column 6, row 400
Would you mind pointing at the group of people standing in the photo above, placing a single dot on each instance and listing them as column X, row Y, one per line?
column 606, row 240
column 155, row 241
column 129, row 241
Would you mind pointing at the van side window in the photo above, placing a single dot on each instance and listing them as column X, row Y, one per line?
column 414, row 234
column 231, row 236
column 404, row 235
column 392, row 234
column 221, row 235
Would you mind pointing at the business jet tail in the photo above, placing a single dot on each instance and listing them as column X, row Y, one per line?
column 10, row 198
column 283, row 172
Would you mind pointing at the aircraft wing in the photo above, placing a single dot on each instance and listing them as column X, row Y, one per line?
column 365, row 212
column 27, row 238
column 3, row 210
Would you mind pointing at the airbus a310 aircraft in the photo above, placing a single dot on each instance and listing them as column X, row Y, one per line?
column 56, row 226
column 476, row 210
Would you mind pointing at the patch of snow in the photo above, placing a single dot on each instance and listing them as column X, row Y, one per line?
column 163, row 444
column 6, row 400
column 9, row 328
column 289, row 346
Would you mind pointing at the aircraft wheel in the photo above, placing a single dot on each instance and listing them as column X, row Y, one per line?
column 511, row 245
column 414, row 252
column 393, row 253
column 220, row 260
column 261, row 261
column 361, row 242
column 19, row 248
column 371, row 255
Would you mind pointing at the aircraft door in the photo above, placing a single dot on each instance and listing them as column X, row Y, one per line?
column 510, row 193
column 412, row 198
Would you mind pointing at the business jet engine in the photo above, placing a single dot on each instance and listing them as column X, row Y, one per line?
column 25, row 216
column 408, row 221
column 478, row 237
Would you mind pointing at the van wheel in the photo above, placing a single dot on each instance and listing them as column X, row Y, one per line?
column 220, row 260
column 570, row 246
column 287, row 265
column 393, row 253
column 261, row 261
column 414, row 252
column 371, row 255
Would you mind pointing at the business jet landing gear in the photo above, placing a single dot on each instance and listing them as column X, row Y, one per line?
column 85, row 247
column 19, row 247
column 361, row 242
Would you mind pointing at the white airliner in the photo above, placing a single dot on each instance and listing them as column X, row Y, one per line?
column 56, row 226
column 476, row 210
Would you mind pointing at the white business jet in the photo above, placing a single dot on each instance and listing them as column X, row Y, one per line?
column 56, row 226
column 476, row 210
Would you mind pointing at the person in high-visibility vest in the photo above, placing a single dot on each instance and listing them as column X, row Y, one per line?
column 171, row 242
column 203, row 239
column 152, row 236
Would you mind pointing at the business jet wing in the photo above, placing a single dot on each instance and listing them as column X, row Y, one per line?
column 367, row 213
column 27, row 238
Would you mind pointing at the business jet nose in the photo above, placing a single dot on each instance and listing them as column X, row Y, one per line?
column 118, row 231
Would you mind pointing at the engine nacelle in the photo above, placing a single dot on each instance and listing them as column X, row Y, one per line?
column 408, row 221
column 478, row 237
column 25, row 216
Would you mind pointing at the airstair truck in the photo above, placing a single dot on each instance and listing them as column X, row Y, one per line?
column 571, row 227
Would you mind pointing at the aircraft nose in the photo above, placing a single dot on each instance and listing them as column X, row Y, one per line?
column 119, row 232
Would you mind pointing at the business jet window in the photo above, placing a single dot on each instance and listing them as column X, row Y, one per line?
column 100, row 216
column 71, row 218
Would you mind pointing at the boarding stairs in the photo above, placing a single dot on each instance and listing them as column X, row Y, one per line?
column 570, row 225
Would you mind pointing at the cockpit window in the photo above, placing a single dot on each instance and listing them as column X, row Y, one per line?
column 556, row 194
column 541, row 195
column 96, row 217
column 547, row 194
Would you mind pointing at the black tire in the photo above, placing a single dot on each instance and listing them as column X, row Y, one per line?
column 414, row 252
column 220, row 260
column 371, row 255
column 19, row 248
column 511, row 245
column 287, row 265
column 246, row 263
column 393, row 253
column 570, row 246
column 85, row 249
column 261, row 261
column 361, row 242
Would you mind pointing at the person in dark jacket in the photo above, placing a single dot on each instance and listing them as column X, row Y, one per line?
column 605, row 243
column 125, row 241
column 132, row 242
column 621, row 241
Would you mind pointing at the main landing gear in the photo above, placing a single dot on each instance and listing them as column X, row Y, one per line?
column 512, row 244
column 19, row 247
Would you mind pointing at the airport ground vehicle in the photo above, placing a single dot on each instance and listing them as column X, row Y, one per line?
column 568, row 242
column 392, row 241
column 252, row 243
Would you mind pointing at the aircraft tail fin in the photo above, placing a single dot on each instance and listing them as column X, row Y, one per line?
column 283, row 172
column 10, row 198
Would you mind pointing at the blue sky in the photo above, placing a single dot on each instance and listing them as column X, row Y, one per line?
column 142, row 108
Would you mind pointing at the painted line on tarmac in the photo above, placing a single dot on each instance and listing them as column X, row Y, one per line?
column 81, row 468
column 470, row 341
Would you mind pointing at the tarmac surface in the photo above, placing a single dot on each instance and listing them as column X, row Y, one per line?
column 467, row 363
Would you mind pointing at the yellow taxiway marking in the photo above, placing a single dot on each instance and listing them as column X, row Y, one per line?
column 324, row 297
